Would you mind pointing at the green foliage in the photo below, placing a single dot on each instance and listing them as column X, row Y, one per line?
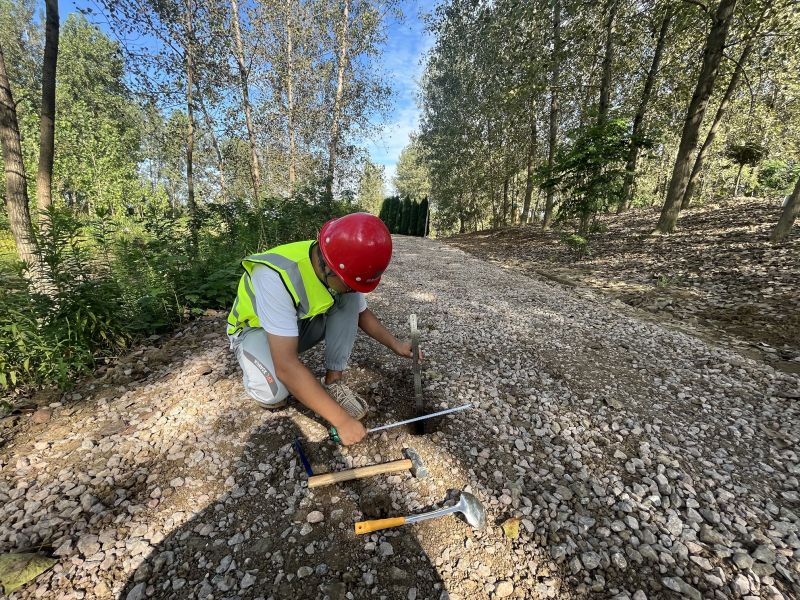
column 578, row 244
column 590, row 173
column 118, row 279
column 777, row 176
column 18, row 569
column 370, row 187
column 423, row 224
column 412, row 179
column 391, row 213
column 405, row 216
column 745, row 154
column 412, row 222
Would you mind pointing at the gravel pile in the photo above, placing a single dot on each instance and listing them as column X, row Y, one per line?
column 642, row 462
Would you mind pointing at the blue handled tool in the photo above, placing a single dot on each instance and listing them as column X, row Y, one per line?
column 299, row 448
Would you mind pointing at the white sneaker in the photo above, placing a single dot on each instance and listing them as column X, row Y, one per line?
column 347, row 399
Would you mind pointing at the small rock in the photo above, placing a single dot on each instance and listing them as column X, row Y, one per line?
column 386, row 549
column 742, row 560
column 504, row 589
column 304, row 572
column 315, row 516
column 676, row 584
column 590, row 560
column 41, row 416
column 88, row 545
column 764, row 554
column 247, row 581
column 137, row 592
column 740, row 585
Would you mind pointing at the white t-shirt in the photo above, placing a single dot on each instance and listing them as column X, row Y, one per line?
column 274, row 305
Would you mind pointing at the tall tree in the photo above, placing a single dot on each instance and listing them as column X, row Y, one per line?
column 209, row 122
column 44, row 176
column 638, row 120
column 370, row 188
column 699, row 160
column 529, row 167
column 16, row 186
column 290, row 104
column 191, row 203
column 342, row 42
column 554, row 91
column 608, row 62
column 255, row 163
column 412, row 178
column 788, row 215
column 712, row 56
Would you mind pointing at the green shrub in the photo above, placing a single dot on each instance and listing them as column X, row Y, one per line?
column 777, row 176
column 578, row 244
column 116, row 279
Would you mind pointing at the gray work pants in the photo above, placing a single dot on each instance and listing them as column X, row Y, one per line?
column 337, row 327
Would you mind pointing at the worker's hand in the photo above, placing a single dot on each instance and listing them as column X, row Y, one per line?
column 351, row 431
column 405, row 350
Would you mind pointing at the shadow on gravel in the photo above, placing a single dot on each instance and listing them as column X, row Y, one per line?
column 256, row 542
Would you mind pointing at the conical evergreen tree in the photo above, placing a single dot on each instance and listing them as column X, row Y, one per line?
column 412, row 222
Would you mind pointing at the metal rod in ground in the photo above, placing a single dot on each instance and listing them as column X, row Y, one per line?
column 418, row 402
column 436, row 414
column 302, row 455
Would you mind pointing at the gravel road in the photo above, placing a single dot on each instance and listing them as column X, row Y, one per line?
column 642, row 462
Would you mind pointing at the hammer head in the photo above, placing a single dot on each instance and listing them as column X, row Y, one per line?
column 418, row 469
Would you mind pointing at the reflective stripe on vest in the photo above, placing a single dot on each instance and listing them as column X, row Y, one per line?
column 293, row 263
column 300, row 296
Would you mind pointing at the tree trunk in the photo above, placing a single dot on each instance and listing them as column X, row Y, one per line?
column 255, row 164
column 19, row 215
column 712, row 56
column 721, row 109
column 556, row 68
column 505, row 201
column 214, row 144
column 190, row 201
column 337, row 105
column 44, row 176
column 638, row 120
column 529, row 170
column 738, row 179
column 789, row 214
column 608, row 62
column 290, row 94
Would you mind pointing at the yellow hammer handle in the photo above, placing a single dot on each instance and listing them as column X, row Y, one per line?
column 359, row 473
column 369, row 526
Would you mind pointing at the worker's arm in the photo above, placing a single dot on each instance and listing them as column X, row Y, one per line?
column 307, row 389
column 370, row 325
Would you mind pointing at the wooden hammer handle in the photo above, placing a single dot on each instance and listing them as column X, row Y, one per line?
column 375, row 525
column 359, row 473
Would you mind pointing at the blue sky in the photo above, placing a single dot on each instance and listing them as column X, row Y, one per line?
column 405, row 46
column 406, row 43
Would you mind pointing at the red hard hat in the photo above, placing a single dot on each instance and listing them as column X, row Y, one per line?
column 358, row 248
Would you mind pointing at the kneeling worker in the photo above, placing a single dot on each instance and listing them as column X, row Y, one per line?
column 292, row 297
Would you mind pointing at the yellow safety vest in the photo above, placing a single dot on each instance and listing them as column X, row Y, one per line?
column 293, row 263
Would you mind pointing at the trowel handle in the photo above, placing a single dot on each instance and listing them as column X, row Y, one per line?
column 369, row 526
column 376, row 524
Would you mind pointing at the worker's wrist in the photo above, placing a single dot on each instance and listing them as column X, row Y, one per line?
column 340, row 418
